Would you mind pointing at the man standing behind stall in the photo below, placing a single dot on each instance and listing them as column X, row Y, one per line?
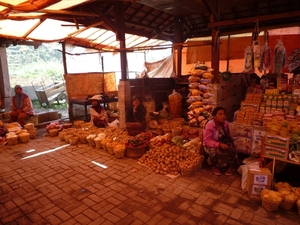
column 21, row 106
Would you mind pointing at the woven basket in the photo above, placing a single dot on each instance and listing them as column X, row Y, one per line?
column 91, row 142
column 24, row 137
column 186, row 171
column 67, row 138
column 110, row 147
column 104, row 141
column 82, row 138
column 61, row 135
column 29, row 126
column 13, row 140
column 135, row 152
column 98, row 143
column 287, row 204
column 74, row 140
column 53, row 132
column 119, row 151
column 77, row 123
column 270, row 205
column 32, row 134
column 198, row 164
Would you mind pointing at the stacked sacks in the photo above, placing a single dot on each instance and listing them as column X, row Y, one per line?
column 200, row 96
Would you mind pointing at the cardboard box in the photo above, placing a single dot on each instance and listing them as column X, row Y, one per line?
column 262, row 177
column 258, row 180
column 254, row 189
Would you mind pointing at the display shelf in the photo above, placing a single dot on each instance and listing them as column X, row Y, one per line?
column 276, row 159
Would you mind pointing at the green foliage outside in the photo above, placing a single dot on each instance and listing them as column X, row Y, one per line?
column 26, row 64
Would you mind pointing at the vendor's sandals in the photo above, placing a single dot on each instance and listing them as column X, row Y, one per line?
column 229, row 172
column 216, row 171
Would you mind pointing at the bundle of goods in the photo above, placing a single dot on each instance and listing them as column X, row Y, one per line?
column 193, row 145
column 280, row 126
column 160, row 140
column 200, row 95
column 173, row 126
column 270, row 199
column 171, row 159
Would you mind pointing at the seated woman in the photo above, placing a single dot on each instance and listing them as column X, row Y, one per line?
column 218, row 144
column 135, row 117
column 21, row 106
column 98, row 114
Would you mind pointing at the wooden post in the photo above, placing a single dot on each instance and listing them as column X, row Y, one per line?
column 179, row 39
column 4, row 80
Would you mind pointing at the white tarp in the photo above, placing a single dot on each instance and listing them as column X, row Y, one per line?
column 164, row 68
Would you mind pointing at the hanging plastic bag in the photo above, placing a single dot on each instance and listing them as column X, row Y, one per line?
column 248, row 63
column 279, row 57
column 256, row 53
column 175, row 104
column 265, row 60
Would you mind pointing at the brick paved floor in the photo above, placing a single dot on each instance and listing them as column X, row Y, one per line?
column 76, row 184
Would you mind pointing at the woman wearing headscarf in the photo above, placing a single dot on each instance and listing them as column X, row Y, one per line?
column 21, row 106
column 135, row 117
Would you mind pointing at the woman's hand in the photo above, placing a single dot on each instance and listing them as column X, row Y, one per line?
column 223, row 146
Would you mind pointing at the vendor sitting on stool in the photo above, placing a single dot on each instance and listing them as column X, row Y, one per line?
column 21, row 106
column 135, row 117
column 98, row 114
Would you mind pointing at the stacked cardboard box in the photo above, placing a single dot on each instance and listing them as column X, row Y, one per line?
column 258, row 180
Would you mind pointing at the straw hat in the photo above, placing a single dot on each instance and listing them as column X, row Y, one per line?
column 96, row 97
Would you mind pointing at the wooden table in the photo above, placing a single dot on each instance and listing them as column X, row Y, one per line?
column 85, row 103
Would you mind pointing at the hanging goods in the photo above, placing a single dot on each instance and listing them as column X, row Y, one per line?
column 279, row 57
column 265, row 60
column 256, row 53
column 248, row 64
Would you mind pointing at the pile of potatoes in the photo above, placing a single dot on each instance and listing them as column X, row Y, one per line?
column 166, row 159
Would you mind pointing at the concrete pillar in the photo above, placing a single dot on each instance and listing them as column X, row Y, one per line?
column 124, row 99
column 5, row 91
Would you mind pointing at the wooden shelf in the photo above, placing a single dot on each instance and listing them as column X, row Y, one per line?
column 278, row 159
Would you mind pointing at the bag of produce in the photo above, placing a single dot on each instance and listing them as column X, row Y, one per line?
column 175, row 104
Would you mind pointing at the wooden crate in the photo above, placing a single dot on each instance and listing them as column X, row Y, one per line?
column 230, row 94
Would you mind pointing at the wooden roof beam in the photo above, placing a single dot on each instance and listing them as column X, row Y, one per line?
column 254, row 19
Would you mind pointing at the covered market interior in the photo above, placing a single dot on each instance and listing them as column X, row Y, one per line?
column 240, row 55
